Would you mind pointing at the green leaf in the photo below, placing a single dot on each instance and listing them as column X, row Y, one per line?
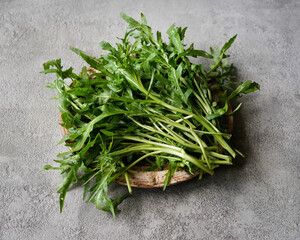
column 93, row 62
column 187, row 94
column 132, row 23
column 49, row 71
column 194, row 53
column 218, row 113
column 116, row 202
column 52, row 63
column 245, row 87
column 218, row 59
column 199, row 53
column 174, row 76
column 143, row 18
column 107, row 133
column 66, row 183
column 159, row 38
column 89, row 127
column 50, row 85
column 169, row 174
column 107, row 46
column 48, row 167
column 227, row 45
column 175, row 39
column 234, row 111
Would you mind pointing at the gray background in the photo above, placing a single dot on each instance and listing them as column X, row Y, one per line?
column 256, row 199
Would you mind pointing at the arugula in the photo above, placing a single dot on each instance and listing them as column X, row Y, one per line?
column 144, row 103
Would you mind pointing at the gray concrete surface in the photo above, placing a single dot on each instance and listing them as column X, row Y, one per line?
column 256, row 199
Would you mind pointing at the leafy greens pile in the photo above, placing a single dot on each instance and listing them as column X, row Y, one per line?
column 147, row 104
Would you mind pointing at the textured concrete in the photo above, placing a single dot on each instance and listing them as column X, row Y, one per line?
column 259, row 198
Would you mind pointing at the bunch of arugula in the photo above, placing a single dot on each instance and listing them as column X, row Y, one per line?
column 147, row 104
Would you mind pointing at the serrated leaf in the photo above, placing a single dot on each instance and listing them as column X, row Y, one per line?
column 245, row 87
column 175, row 39
column 227, row 45
column 143, row 18
column 132, row 23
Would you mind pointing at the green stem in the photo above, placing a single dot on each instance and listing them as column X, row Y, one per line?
column 171, row 135
column 127, row 179
column 203, row 97
column 133, row 164
column 202, row 120
column 180, row 153
column 126, row 99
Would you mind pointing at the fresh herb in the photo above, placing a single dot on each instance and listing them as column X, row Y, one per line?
column 144, row 102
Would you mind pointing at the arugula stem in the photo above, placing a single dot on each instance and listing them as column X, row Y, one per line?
column 127, row 179
column 200, row 119
column 209, row 111
column 180, row 153
column 134, row 163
